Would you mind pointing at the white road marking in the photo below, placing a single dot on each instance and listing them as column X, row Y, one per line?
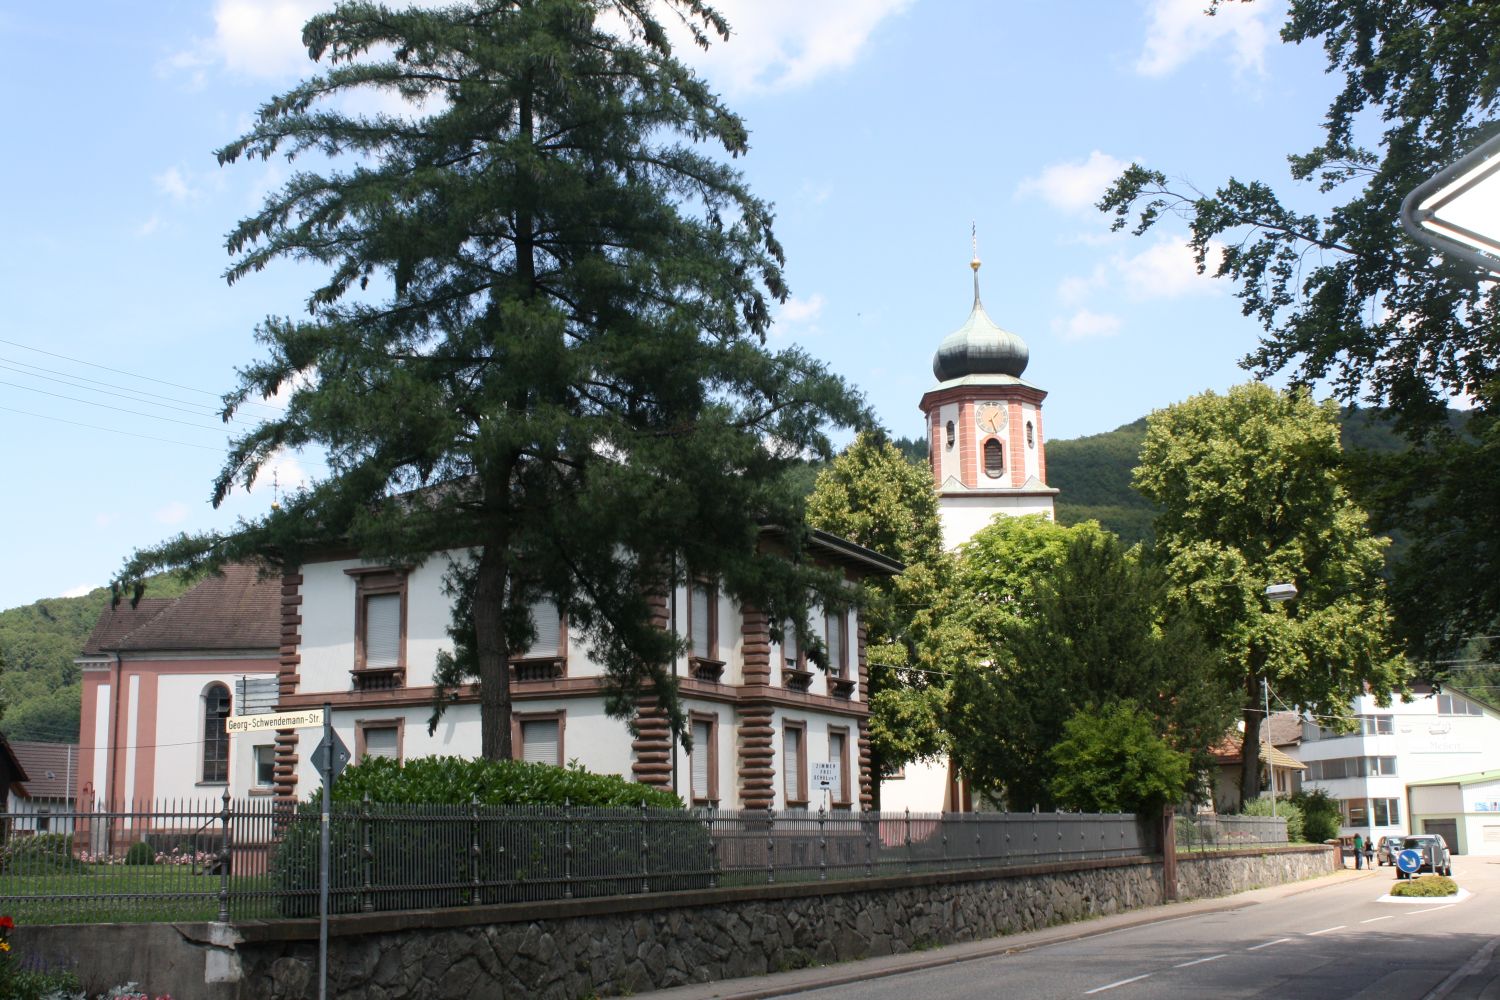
column 1258, row 947
column 1373, row 919
column 1431, row 908
column 1325, row 930
column 1200, row 961
column 1110, row 986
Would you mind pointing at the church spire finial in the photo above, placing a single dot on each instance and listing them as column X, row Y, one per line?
column 974, row 241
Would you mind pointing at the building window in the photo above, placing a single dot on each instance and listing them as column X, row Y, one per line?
column 1365, row 725
column 379, row 738
column 547, row 656
column 705, row 759
column 836, row 633
column 379, row 628
column 538, row 738
column 1350, row 767
column 952, row 435
column 1364, row 812
column 794, row 673
column 794, row 763
column 1452, row 704
column 994, row 459
column 1030, row 435
column 838, row 753
column 215, row 738
column 43, row 820
column 265, row 765
column 703, row 632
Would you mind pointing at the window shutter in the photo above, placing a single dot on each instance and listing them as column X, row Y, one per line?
column 834, row 626
column 994, row 459
column 702, row 752
column 698, row 614
column 380, row 741
column 383, row 630
column 539, row 741
column 789, row 645
column 791, row 774
column 548, row 629
column 836, row 755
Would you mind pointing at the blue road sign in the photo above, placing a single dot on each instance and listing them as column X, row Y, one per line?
column 1409, row 861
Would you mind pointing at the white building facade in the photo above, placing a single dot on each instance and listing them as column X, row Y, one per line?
column 1396, row 773
column 365, row 639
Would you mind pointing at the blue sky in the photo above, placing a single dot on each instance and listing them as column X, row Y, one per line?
column 880, row 129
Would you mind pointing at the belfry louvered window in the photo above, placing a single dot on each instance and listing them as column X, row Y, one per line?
column 994, row 459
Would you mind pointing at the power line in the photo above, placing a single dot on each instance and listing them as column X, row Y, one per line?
column 114, row 430
column 117, row 409
column 131, row 394
column 119, row 371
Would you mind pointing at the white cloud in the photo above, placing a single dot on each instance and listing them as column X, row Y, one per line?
column 82, row 590
column 150, row 226
column 255, row 38
column 1180, row 31
column 1074, row 186
column 284, row 474
column 175, row 186
column 783, row 44
column 1085, row 324
column 1165, row 270
column 796, row 310
column 173, row 513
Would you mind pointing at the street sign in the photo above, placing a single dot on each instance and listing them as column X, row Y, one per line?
column 279, row 720
column 825, row 774
column 1409, row 861
column 330, row 745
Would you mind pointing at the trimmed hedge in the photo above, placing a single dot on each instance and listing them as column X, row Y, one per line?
column 1426, row 885
column 457, row 781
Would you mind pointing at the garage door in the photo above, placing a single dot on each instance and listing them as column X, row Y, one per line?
column 1446, row 828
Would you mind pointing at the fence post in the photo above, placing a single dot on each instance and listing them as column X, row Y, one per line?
column 474, row 848
column 943, row 830
column 822, row 847
column 367, row 859
column 868, row 823
column 645, row 853
column 1168, row 854
column 224, row 862
column 908, row 840
column 770, row 845
column 567, row 848
column 713, row 848
column 978, row 834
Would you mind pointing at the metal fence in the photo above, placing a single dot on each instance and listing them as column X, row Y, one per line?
column 1222, row 833
column 257, row 858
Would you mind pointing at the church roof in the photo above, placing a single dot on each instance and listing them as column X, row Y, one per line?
column 980, row 347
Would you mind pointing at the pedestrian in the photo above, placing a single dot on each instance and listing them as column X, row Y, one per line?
column 1370, row 851
column 1359, row 851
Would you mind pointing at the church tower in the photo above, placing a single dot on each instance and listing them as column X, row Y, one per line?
column 984, row 427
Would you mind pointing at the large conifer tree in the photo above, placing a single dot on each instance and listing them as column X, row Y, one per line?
column 538, row 338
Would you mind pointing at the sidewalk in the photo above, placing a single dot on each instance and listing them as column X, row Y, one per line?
column 782, row 983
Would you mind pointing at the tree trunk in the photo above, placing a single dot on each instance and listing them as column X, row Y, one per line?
column 1250, row 750
column 492, row 654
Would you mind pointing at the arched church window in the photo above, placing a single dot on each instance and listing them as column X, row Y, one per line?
column 994, row 459
column 952, row 434
column 1030, row 435
column 215, row 734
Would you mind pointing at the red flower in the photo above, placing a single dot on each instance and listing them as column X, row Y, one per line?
column 7, row 924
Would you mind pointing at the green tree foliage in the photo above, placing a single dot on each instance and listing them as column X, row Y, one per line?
column 1348, row 299
column 539, row 335
column 1251, row 489
column 875, row 495
column 1112, row 759
column 1067, row 620
column 1285, row 808
column 1093, row 475
column 1321, row 816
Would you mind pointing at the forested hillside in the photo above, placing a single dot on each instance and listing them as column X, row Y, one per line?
column 40, row 686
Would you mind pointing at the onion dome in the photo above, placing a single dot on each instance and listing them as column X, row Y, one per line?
column 979, row 347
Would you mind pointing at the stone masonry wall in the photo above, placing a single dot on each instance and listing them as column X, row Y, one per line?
column 567, row 949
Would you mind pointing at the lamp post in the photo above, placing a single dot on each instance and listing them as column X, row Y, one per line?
column 1276, row 593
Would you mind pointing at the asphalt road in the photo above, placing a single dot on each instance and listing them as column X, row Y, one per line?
column 1331, row 943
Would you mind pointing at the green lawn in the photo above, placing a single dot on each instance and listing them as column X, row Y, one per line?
column 128, row 894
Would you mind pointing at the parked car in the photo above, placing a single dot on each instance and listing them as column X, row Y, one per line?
column 1434, row 851
column 1387, row 849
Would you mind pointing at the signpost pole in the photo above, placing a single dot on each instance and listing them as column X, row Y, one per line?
column 323, row 854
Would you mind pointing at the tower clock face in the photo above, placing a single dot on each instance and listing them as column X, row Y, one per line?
column 990, row 417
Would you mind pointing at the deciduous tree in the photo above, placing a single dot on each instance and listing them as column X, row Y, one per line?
column 537, row 338
column 1348, row 299
column 1251, row 489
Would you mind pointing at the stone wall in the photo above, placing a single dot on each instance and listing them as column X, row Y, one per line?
column 574, row 948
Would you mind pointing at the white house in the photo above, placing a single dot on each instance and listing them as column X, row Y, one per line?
column 44, row 801
column 988, row 457
column 364, row 638
column 1415, row 766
